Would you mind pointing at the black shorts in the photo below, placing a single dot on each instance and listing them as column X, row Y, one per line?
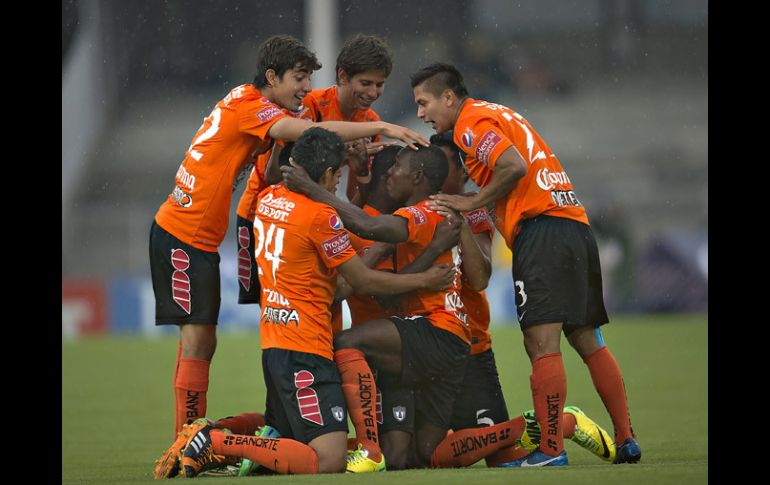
column 185, row 280
column 481, row 401
column 248, row 277
column 556, row 274
column 433, row 364
column 398, row 406
column 304, row 395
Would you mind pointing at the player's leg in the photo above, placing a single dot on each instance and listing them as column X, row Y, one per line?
column 396, row 428
column 187, row 293
column 378, row 342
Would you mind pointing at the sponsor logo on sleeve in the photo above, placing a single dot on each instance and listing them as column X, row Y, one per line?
column 475, row 217
column 268, row 113
column 336, row 245
column 335, row 222
column 486, row 145
column 417, row 215
column 468, row 137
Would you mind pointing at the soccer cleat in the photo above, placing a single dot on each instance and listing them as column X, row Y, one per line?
column 628, row 452
column 247, row 466
column 169, row 463
column 530, row 438
column 359, row 461
column 198, row 454
column 222, row 471
column 590, row 435
column 536, row 459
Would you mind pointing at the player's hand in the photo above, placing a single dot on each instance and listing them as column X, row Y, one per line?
column 378, row 146
column 447, row 233
column 444, row 202
column 410, row 137
column 439, row 277
column 297, row 179
column 357, row 157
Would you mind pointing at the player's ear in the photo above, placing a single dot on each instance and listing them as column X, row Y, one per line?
column 342, row 77
column 448, row 96
column 270, row 76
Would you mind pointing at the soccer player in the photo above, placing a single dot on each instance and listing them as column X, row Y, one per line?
column 481, row 402
column 363, row 65
column 427, row 348
column 191, row 223
column 300, row 244
column 555, row 260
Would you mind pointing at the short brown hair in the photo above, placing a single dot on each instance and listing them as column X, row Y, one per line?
column 364, row 53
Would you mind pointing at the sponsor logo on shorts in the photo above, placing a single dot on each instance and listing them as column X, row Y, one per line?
column 182, row 198
column 307, row 398
column 244, row 257
column 338, row 413
column 418, row 216
column 548, row 180
column 334, row 246
column 268, row 113
column 180, row 282
column 335, row 222
column 486, row 145
column 468, row 137
column 399, row 412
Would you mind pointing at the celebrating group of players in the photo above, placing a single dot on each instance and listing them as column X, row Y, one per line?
column 410, row 253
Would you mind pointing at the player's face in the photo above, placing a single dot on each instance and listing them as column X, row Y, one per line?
column 331, row 179
column 432, row 109
column 361, row 90
column 398, row 185
column 289, row 89
column 456, row 178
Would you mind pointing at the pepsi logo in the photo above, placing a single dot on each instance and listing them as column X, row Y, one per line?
column 335, row 222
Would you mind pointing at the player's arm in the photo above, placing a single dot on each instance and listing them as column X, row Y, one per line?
column 366, row 280
column 445, row 238
column 373, row 255
column 357, row 160
column 508, row 169
column 386, row 228
column 477, row 261
column 290, row 129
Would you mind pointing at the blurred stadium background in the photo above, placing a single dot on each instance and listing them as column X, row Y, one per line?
column 618, row 88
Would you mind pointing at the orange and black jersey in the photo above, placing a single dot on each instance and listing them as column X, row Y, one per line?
column 484, row 131
column 230, row 138
column 476, row 304
column 318, row 105
column 298, row 245
column 444, row 309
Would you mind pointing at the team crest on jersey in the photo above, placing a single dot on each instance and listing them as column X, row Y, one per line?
column 338, row 413
column 468, row 137
column 399, row 412
column 335, row 222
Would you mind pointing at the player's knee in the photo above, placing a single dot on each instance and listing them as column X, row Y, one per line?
column 346, row 340
column 199, row 344
column 395, row 457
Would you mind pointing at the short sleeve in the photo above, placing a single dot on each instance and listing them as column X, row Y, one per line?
column 331, row 239
column 419, row 230
column 478, row 220
column 255, row 117
column 481, row 140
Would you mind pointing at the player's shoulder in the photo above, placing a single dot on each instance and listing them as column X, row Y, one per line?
column 419, row 214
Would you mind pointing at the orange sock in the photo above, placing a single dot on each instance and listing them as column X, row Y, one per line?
column 549, row 391
column 192, row 382
column 177, row 426
column 467, row 446
column 506, row 455
column 360, row 395
column 245, row 423
column 282, row 455
column 568, row 424
column 608, row 381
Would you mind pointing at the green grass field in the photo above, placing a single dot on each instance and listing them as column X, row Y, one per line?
column 117, row 406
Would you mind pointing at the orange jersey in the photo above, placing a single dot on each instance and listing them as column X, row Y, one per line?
column 365, row 307
column 298, row 243
column 476, row 304
column 444, row 309
column 317, row 105
column 196, row 212
column 485, row 130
